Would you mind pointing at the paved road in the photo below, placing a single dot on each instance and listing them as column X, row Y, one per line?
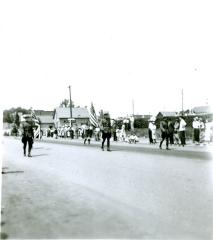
column 76, row 191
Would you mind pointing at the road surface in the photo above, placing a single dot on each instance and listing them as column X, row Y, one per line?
column 78, row 191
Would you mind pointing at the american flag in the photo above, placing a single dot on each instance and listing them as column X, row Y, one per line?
column 92, row 116
column 33, row 115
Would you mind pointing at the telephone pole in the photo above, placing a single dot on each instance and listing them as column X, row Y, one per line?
column 70, row 106
column 182, row 99
column 133, row 108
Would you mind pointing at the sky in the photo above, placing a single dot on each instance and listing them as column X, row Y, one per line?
column 111, row 53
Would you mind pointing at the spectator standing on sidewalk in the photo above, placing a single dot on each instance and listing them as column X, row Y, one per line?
column 208, row 131
column 202, row 130
column 164, row 133
column 150, row 127
column 176, row 132
column 182, row 131
column 97, row 133
column 196, row 130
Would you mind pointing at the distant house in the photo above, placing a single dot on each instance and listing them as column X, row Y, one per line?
column 145, row 116
column 167, row 114
column 45, row 118
column 201, row 110
column 61, row 116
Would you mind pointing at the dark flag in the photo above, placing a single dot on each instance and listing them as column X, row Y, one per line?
column 92, row 116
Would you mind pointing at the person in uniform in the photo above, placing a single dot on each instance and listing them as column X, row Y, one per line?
column 164, row 133
column 106, row 130
column 27, row 135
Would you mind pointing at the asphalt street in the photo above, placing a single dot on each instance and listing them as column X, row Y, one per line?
column 70, row 190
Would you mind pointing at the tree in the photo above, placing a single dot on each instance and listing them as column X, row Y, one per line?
column 66, row 103
column 17, row 120
column 9, row 115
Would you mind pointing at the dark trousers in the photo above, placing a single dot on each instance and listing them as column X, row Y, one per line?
column 29, row 141
column 104, row 137
column 182, row 138
column 114, row 136
column 164, row 136
column 150, row 136
column 196, row 135
column 171, row 138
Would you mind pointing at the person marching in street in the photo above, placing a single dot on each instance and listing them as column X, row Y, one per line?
column 27, row 135
column 106, row 131
column 171, row 131
column 182, row 131
column 164, row 133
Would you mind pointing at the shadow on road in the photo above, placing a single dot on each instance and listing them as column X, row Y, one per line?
column 39, row 155
column 3, row 172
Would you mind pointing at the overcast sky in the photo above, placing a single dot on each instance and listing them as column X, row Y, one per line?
column 110, row 52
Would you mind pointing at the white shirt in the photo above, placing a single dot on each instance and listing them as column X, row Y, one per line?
column 196, row 124
column 182, row 126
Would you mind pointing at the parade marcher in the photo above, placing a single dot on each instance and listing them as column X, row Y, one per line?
column 88, row 131
column 27, row 135
column 164, row 133
column 182, row 131
column 171, row 131
column 176, row 132
column 196, row 130
column 106, row 130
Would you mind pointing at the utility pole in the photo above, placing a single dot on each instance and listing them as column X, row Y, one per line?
column 70, row 106
column 182, row 100
column 133, row 110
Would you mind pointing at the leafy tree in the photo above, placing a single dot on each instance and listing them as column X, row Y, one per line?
column 10, row 115
column 17, row 120
column 66, row 103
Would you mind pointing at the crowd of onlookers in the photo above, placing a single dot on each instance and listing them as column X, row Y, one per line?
column 176, row 129
column 87, row 131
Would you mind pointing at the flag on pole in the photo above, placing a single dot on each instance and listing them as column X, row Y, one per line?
column 33, row 115
column 92, row 116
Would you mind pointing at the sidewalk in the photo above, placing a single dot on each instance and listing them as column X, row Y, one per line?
column 143, row 142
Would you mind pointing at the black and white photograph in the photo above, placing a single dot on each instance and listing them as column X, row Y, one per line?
column 106, row 119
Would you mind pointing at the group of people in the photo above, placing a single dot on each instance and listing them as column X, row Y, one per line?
column 202, row 131
column 172, row 131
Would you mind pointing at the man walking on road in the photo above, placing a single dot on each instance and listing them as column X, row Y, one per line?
column 106, row 131
column 164, row 133
column 27, row 134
